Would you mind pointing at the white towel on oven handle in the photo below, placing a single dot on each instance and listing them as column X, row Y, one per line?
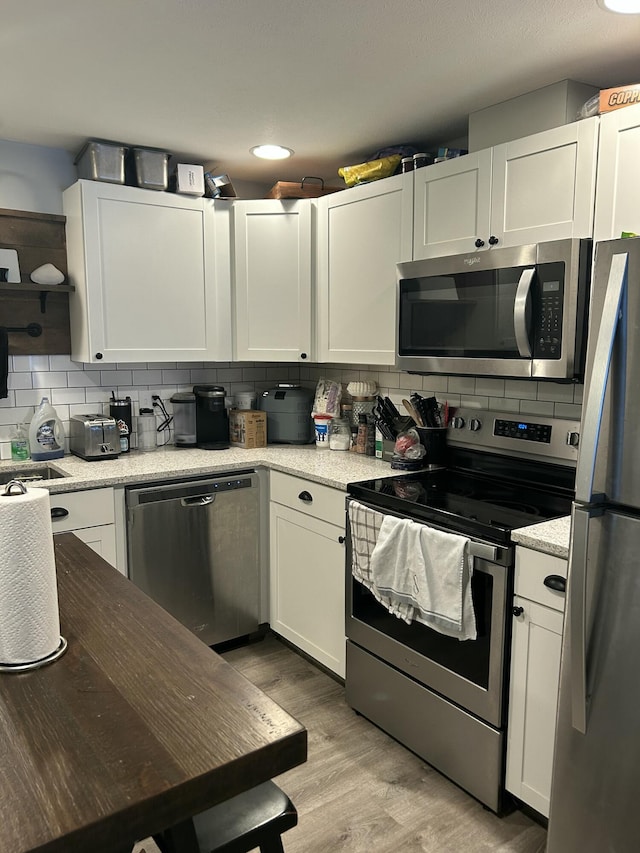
column 417, row 566
column 365, row 526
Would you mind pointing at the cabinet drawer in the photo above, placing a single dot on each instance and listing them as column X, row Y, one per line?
column 532, row 567
column 314, row 499
column 82, row 509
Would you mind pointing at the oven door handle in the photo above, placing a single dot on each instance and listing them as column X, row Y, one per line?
column 522, row 312
column 483, row 551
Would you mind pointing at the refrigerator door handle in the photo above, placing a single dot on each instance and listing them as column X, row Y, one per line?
column 577, row 618
column 577, row 607
column 594, row 403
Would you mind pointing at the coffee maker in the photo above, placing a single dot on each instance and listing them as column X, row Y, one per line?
column 212, row 420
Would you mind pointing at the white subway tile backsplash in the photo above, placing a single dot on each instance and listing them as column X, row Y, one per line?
column 50, row 379
column 97, row 395
column 33, row 397
column 20, row 380
column 63, row 362
column 568, row 410
column 113, row 378
column 173, row 377
column 462, row 384
column 523, row 389
column 540, row 408
column 147, row 377
column 489, row 386
column 504, row 404
column 435, row 385
column 84, row 379
column 474, row 401
column 555, row 392
column 30, row 362
column 67, row 395
column 85, row 389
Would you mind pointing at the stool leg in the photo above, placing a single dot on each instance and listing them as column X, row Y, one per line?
column 272, row 845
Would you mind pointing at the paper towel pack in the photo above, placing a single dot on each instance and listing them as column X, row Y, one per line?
column 29, row 617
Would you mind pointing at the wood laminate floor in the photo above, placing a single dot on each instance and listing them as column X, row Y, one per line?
column 362, row 792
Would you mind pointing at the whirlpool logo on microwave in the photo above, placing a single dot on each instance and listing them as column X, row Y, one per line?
column 471, row 261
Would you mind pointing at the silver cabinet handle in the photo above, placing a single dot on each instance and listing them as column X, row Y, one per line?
column 522, row 312
column 594, row 402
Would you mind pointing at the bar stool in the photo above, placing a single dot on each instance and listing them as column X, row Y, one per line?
column 255, row 818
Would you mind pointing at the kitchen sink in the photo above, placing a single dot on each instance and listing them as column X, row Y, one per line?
column 30, row 474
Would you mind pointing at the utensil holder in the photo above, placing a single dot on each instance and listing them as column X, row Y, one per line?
column 434, row 441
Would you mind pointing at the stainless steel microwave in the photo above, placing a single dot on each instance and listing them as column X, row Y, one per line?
column 517, row 312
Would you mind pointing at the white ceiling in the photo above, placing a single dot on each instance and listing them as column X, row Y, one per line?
column 335, row 80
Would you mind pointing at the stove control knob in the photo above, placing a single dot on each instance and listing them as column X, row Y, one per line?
column 475, row 424
column 458, row 422
column 573, row 439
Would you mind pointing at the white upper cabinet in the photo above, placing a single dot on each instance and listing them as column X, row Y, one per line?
column 618, row 189
column 152, row 275
column 362, row 234
column 272, row 280
column 530, row 190
column 452, row 206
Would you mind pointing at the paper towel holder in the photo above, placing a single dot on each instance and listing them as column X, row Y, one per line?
column 62, row 645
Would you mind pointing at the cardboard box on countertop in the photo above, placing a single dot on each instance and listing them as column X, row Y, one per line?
column 247, row 428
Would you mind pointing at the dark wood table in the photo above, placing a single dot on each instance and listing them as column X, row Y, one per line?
column 137, row 727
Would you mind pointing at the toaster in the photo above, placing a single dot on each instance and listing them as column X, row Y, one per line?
column 94, row 436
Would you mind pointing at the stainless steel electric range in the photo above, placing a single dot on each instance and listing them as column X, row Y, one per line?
column 443, row 698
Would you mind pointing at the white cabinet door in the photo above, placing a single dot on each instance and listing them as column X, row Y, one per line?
column 531, row 190
column 543, row 186
column 535, row 675
column 535, row 672
column 90, row 515
column 618, row 188
column 149, row 286
column 307, row 594
column 101, row 539
column 452, row 206
column 363, row 233
column 272, row 280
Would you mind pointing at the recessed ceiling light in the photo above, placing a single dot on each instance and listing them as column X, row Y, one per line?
column 271, row 152
column 623, row 7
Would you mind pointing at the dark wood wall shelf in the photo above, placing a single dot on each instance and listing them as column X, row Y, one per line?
column 38, row 238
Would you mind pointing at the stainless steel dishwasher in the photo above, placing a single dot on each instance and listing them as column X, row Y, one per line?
column 194, row 548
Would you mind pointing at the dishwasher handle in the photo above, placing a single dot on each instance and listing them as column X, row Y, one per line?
column 201, row 500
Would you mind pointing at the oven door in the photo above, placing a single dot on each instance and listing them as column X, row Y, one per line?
column 470, row 673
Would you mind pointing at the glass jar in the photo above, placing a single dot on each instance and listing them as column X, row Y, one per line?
column 339, row 434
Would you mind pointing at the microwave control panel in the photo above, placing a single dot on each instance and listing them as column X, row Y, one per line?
column 548, row 340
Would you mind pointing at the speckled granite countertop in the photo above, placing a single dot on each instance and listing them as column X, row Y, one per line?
column 551, row 537
column 332, row 468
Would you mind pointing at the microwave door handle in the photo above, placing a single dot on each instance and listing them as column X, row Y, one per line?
column 596, row 390
column 522, row 312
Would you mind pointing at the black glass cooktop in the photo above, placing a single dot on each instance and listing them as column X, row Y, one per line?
column 489, row 502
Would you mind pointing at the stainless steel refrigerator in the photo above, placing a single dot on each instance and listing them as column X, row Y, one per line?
column 595, row 795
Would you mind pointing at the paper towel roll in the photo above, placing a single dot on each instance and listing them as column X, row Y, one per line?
column 29, row 617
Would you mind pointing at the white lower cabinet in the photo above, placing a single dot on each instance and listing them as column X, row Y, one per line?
column 90, row 515
column 535, row 675
column 307, row 554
